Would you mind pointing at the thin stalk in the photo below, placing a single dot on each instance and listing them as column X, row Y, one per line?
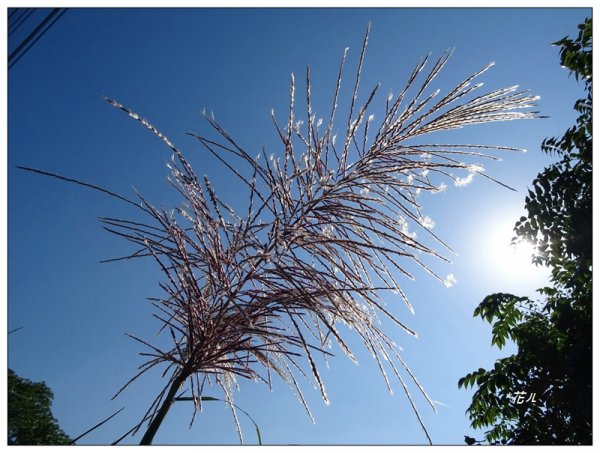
column 164, row 408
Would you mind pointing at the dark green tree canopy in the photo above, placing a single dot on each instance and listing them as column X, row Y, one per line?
column 559, row 208
column 30, row 420
column 543, row 393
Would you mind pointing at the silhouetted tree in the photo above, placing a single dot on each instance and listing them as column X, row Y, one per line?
column 30, row 419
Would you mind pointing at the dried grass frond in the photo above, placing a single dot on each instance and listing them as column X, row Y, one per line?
column 325, row 232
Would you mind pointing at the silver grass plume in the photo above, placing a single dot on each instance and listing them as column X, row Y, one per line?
column 259, row 293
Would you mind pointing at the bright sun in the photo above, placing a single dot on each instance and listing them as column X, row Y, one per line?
column 508, row 261
column 514, row 258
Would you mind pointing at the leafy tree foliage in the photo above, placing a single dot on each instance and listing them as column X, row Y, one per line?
column 30, row 420
column 543, row 393
column 559, row 207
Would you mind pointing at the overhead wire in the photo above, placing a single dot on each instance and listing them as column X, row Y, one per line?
column 16, row 23
column 35, row 35
column 13, row 11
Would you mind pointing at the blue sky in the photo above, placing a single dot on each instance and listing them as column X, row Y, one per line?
column 170, row 64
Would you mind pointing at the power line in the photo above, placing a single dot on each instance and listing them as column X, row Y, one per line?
column 18, row 13
column 35, row 35
column 17, row 22
column 13, row 11
column 32, row 36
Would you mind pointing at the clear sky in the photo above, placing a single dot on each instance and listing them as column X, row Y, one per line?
column 169, row 64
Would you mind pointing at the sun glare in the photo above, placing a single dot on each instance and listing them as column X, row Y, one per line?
column 516, row 257
column 508, row 260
